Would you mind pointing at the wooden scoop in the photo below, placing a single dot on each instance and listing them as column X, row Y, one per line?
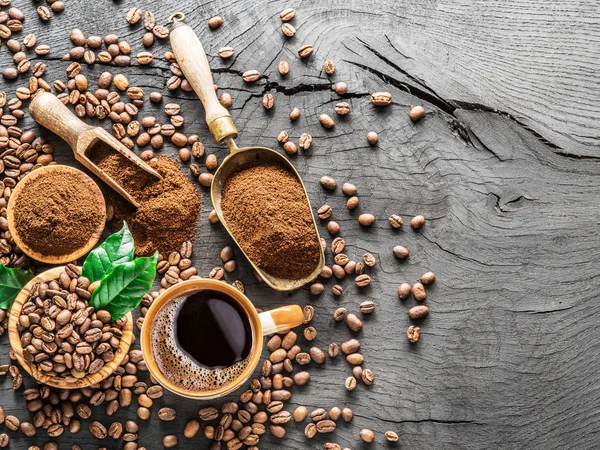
column 47, row 110
column 192, row 60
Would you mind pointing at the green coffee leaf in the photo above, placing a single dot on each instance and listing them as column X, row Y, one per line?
column 116, row 249
column 122, row 288
column 11, row 283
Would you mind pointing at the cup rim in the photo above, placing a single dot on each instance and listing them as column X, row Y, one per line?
column 180, row 290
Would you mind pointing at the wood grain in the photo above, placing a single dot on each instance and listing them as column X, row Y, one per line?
column 504, row 168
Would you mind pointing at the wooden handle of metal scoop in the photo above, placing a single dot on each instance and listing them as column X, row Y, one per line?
column 192, row 60
column 47, row 110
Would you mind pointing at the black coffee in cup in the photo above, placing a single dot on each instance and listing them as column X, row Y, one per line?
column 203, row 341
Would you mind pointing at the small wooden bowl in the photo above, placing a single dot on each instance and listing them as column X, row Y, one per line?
column 53, row 259
column 40, row 376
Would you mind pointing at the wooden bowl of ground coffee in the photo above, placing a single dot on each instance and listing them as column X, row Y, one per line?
column 58, row 344
column 56, row 214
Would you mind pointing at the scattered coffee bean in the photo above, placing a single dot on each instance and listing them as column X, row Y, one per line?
column 337, row 290
column 400, row 252
column 170, row 441
column 381, row 98
column 372, row 138
column 333, row 227
column 342, row 108
column 404, row 291
column 367, row 435
column 416, row 113
column 366, row 220
column 417, row 222
column 413, row 333
column 341, row 88
column 305, row 51
column 391, row 436
column 349, row 189
column 167, row 414
column 350, row 383
column 362, row 280
column 427, row 278
column 328, row 183
column 418, row 291
column 215, row 22
column 396, row 221
column 339, row 314
column 283, row 67
column 288, row 30
column 326, row 121
column 333, row 350
column 354, row 323
column 287, row 14
column 352, row 202
column 368, row 377
column 418, row 312
column 367, row 307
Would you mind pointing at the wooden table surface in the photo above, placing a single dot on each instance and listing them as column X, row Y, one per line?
column 505, row 168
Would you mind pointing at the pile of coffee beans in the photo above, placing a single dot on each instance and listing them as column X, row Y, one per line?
column 61, row 334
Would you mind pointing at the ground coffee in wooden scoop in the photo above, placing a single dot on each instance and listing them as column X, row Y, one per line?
column 56, row 214
column 267, row 211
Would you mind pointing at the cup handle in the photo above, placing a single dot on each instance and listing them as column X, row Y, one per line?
column 281, row 319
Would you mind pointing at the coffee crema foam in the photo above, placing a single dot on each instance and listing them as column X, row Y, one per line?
column 176, row 366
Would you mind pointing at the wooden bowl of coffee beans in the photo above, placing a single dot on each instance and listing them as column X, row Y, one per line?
column 58, row 338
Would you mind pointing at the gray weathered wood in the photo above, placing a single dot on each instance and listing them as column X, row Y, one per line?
column 508, row 356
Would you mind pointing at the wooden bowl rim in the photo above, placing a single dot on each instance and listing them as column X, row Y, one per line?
column 52, row 259
column 58, row 382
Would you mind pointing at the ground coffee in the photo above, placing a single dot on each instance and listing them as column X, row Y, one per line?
column 56, row 214
column 169, row 208
column 267, row 211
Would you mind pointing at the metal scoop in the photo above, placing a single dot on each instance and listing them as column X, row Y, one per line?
column 192, row 60
column 47, row 110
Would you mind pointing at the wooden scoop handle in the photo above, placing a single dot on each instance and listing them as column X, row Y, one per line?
column 192, row 60
column 47, row 110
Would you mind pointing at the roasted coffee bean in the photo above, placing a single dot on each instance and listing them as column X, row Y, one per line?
column 355, row 358
column 289, row 30
column 342, row 108
column 305, row 51
column 391, row 436
column 268, row 101
column 4, row 440
column 12, row 423
column 208, row 413
column 283, row 67
column 301, row 378
column 413, row 333
column 339, row 314
column 367, row 307
column 326, row 426
column 418, row 291
column 396, row 221
column 417, row 222
column 329, row 67
column 404, row 291
column 133, row 16
column 305, row 139
column 310, row 431
column 317, row 355
column 170, row 441
column 381, row 98
column 400, row 252
column 367, row 435
column 366, row 220
column 251, row 76
column 191, row 429
column 427, row 278
column 215, row 22
column 372, row 138
column 326, row 121
column 167, row 414
column 308, row 312
column 328, row 183
column 290, row 148
column 362, row 280
column 416, row 113
column 317, row 289
column 418, row 312
column 98, row 430
column 368, row 377
column 354, row 323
